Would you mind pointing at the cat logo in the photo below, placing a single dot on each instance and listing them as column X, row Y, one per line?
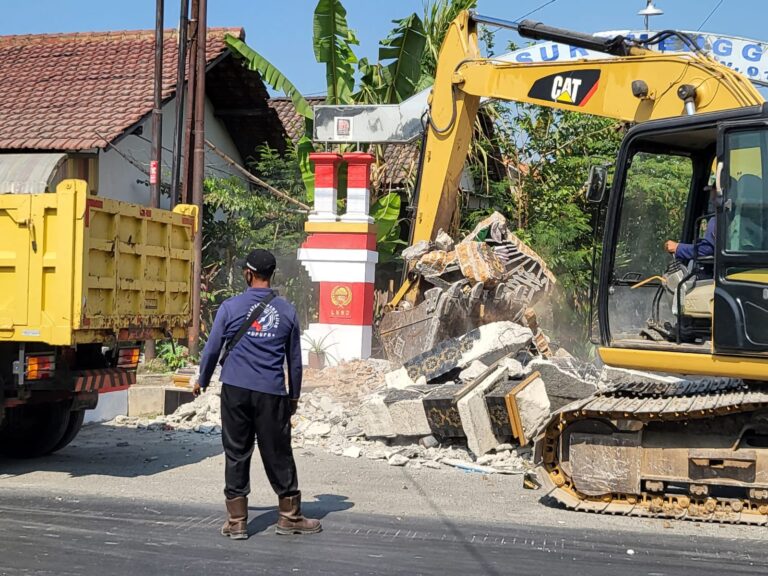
column 565, row 89
column 574, row 88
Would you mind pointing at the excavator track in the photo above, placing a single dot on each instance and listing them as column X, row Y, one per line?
column 681, row 450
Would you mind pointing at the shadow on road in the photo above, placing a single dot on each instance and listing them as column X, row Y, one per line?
column 323, row 505
column 105, row 450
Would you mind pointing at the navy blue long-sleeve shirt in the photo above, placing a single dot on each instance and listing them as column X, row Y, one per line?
column 706, row 247
column 257, row 361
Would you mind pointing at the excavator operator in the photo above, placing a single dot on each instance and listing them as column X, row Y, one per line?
column 684, row 252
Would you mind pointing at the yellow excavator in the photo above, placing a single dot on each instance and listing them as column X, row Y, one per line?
column 682, row 447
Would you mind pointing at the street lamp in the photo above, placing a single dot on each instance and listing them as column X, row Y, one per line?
column 649, row 10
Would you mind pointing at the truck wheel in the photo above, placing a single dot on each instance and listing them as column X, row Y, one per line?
column 73, row 427
column 34, row 430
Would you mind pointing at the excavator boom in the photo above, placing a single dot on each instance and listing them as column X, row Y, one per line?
column 638, row 87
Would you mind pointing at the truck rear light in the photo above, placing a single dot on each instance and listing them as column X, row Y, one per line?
column 128, row 357
column 39, row 366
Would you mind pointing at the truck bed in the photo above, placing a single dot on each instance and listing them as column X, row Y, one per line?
column 77, row 268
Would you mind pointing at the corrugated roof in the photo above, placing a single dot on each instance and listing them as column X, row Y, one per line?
column 29, row 173
column 77, row 91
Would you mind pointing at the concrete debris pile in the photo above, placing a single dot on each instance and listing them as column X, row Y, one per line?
column 491, row 275
column 487, row 388
column 202, row 415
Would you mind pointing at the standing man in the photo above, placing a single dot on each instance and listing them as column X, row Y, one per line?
column 262, row 334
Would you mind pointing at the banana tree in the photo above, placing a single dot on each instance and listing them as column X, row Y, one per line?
column 392, row 79
column 278, row 81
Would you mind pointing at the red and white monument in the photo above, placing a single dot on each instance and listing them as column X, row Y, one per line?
column 340, row 254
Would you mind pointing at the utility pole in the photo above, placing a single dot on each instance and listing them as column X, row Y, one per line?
column 156, row 161
column 189, row 113
column 178, row 128
column 198, row 173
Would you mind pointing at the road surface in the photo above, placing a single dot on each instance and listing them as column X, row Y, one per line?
column 140, row 503
column 89, row 537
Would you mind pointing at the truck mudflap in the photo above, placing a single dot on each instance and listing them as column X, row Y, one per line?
column 104, row 380
column 696, row 452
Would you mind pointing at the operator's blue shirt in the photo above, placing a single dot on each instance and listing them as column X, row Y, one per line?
column 706, row 247
column 257, row 361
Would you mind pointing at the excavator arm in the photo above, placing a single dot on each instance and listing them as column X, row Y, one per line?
column 637, row 86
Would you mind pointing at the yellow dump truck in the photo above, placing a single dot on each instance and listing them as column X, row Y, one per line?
column 84, row 280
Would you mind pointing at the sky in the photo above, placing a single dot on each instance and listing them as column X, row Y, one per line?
column 281, row 30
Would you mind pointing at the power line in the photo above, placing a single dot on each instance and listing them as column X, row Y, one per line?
column 536, row 10
column 493, row 31
column 709, row 15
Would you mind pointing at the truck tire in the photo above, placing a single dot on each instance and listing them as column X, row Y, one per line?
column 73, row 427
column 34, row 430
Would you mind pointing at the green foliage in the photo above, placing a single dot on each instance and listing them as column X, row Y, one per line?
column 173, row 355
column 386, row 213
column 656, row 190
column 237, row 219
column 403, row 48
column 332, row 42
column 271, row 75
column 548, row 154
column 304, row 148
column 371, row 85
column 277, row 80
column 438, row 15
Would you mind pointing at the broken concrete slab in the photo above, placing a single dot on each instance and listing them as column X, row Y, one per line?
column 442, row 413
column 352, row 452
column 514, row 368
column 397, row 460
column 475, row 419
column 416, row 251
column 479, row 263
column 561, row 379
column 496, row 404
column 474, row 370
column 533, row 407
column 610, row 376
column 375, row 417
column 406, row 411
column 494, row 340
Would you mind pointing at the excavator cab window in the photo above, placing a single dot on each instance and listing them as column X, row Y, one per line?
column 654, row 209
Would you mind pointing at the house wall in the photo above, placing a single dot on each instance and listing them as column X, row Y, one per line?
column 118, row 177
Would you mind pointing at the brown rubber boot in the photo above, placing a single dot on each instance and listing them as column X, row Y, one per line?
column 291, row 520
column 236, row 526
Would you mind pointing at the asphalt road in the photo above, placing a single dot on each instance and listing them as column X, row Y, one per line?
column 65, row 536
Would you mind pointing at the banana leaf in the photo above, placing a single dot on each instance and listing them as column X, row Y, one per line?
column 271, row 75
column 404, row 47
column 332, row 41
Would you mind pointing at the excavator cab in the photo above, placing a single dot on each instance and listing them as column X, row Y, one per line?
column 712, row 302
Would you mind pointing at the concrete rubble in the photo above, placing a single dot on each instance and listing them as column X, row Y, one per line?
column 491, row 275
column 469, row 389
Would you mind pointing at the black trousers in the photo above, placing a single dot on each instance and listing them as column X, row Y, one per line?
column 247, row 416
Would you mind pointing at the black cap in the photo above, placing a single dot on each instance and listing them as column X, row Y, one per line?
column 259, row 261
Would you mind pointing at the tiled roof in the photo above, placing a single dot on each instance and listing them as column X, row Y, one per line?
column 292, row 121
column 400, row 160
column 79, row 91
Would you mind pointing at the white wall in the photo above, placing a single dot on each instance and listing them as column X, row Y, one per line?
column 110, row 405
column 117, row 176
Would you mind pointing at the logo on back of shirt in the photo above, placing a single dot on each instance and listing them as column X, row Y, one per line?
column 266, row 324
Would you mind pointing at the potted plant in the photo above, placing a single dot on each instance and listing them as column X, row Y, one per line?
column 317, row 351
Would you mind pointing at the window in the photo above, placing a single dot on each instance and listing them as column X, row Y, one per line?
column 653, row 211
column 746, row 206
